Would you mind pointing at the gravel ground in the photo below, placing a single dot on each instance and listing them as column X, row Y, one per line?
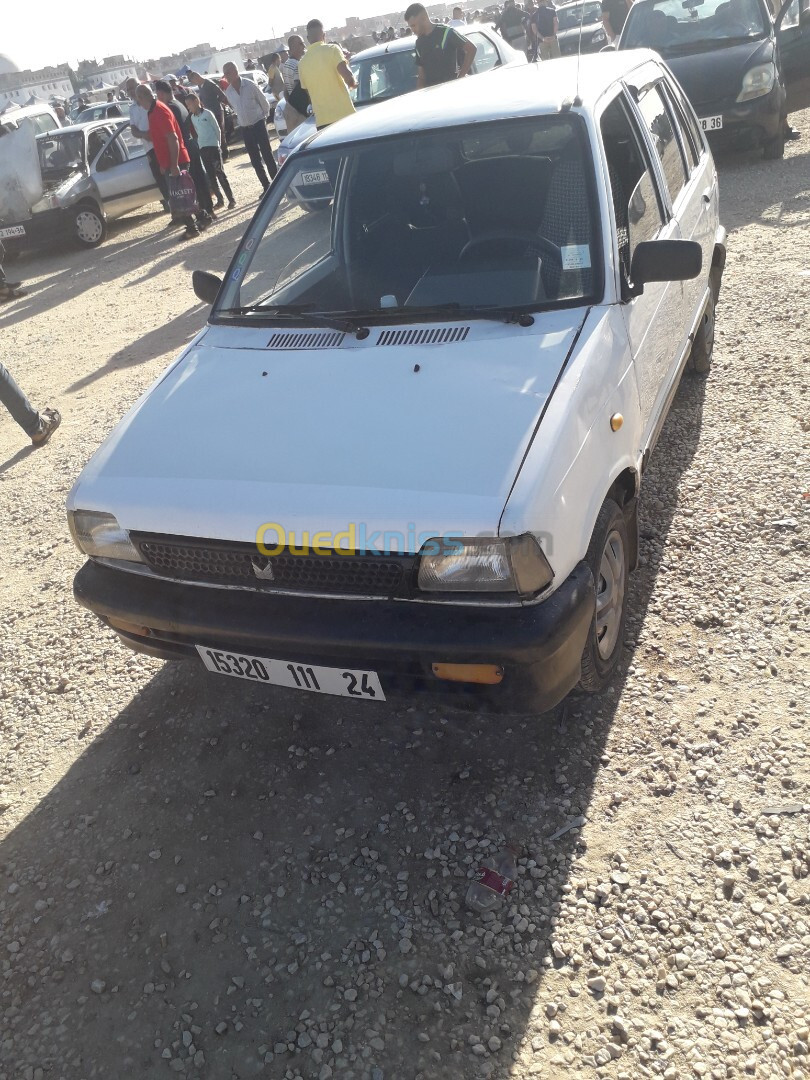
column 223, row 881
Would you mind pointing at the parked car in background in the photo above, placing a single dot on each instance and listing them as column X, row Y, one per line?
column 92, row 174
column 106, row 110
column 445, row 393
column 388, row 70
column 41, row 117
column 743, row 71
column 580, row 27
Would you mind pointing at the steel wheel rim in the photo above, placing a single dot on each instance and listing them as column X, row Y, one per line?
column 610, row 594
column 88, row 226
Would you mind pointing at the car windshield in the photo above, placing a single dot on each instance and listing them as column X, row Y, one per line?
column 569, row 17
column 61, row 153
column 678, row 26
column 388, row 75
column 483, row 219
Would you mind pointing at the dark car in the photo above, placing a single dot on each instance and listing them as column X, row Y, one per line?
column 742, row 70
column 580, row 27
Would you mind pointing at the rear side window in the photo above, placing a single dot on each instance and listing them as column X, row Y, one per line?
column 659, row 125
column 636, row 204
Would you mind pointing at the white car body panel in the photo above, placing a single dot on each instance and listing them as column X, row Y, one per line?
column 454, row 434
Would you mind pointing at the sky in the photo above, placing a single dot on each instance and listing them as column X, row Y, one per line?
column 52, row 32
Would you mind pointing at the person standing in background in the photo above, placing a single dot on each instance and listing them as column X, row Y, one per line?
column 252, row 109
column 208, row 138
column 212, row 97
column 325, row 75
column 546, row 24
column 139, row 126
column 170, row 149
column 458, row 21
column 438, row 49
column 289, row 69
column 196, row 168
column 614, row 15
column 510, row 26
column 274, row 76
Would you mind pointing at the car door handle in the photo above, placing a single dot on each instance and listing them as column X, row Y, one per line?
column 707, row 195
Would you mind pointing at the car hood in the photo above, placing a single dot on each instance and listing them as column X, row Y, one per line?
column 716, row 75
column 408, row 438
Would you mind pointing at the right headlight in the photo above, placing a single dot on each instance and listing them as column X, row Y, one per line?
column 757, row 82
column 99, row 534
column 484, row 565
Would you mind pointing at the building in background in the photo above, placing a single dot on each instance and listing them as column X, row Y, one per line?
column 18, row 87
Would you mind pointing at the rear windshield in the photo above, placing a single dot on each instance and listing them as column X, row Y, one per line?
column 385, row 76
column 673, row 26
column 500, row 215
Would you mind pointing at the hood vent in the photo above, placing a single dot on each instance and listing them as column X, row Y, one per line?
column 438, row 335
column 311, row 339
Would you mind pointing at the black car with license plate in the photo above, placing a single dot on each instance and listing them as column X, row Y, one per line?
column 743, row 68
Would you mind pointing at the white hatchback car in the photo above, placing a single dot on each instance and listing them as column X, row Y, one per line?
column 404, row 455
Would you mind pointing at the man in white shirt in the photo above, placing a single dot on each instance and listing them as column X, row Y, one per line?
column 458, row 19
column 252, row 109
column 139, row 126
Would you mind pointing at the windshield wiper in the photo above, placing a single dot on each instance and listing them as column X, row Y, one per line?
column 301, row 312
column 461, row 311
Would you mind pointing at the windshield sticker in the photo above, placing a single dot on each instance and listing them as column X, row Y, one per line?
column 576, row 256
column 236, row 274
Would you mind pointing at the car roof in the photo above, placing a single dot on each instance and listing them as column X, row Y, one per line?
column 407, row 43
column 520, row 91
column 89, row 126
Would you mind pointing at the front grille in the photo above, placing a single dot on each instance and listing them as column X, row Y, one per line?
column 214, row 562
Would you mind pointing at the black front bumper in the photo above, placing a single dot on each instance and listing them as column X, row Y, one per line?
column 41, row 228
column 746, row 125
column 538, row 646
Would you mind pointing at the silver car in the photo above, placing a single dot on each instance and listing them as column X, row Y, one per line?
column 92, row 174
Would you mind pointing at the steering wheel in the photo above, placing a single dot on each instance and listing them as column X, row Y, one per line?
column 529, row 240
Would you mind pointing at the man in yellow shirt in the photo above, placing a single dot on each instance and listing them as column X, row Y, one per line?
column 324, row 73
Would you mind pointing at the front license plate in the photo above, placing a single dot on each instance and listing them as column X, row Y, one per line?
column 12, row 230
column 315, row 178
column 711, row 123
column 319, row 680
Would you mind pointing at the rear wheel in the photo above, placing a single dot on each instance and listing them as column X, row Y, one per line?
column 90, row 226
column 700, row 358
column 608, row 558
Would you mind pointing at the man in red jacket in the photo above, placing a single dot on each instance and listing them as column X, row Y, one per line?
column 167, row 140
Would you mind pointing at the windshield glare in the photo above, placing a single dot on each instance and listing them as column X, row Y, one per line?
column 388, row 75
column 676, row 25
column 495, row 215
column 59, row 153
column 569, row 17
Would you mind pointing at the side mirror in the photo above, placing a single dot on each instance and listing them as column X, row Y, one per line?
column 664, row 260
column 206, row 286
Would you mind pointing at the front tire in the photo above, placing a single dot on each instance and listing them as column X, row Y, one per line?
column 774, row 149
column 608, row 558
column 90, row 228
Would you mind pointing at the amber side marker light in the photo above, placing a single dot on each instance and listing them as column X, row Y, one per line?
column 487, row 674
column 616, row 421
column 129, row 628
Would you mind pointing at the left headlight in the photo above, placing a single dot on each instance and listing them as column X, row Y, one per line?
column 757, row 82
column 484, row 565
column 600, row 35
column 99, row 534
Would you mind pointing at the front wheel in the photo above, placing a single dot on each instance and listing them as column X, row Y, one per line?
column 90, row 226
column 608, row 558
